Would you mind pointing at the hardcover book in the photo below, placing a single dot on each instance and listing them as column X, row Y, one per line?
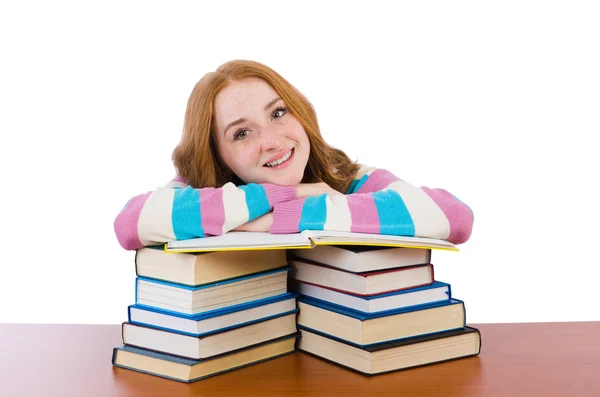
column 213, row 321
column 202, row 268
column 364, row 284
column 186, row 370
column 378, row 304
column 212, row 344
column 400, row 355
column 362, row 329
column 195, row 300
column 363, row 258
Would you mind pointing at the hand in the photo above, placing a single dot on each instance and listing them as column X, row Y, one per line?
column 260, row 224
column 315, row 189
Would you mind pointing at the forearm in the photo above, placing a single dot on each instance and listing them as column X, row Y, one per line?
column 396, row 208
column 182, row 213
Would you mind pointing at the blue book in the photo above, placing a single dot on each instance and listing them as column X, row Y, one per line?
column 214, row 321
column 213, row 344
column 186, row 299
column 186, row 370
column 381, row 303
column 361, row 329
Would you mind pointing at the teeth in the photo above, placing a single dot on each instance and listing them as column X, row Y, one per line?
column 281, row 160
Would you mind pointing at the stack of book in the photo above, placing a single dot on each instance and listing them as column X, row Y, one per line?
column 377, row 309
column 364, row 301
column 199, row 314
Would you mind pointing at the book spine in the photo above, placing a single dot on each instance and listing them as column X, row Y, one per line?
column 123, row 331
column 114, row 355
column 135, row 261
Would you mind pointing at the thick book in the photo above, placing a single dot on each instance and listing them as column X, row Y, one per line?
column 214, row 321
column 186, row 370
column 363, row 284
column 214, row 344
column 389, row 357
column 406, row 299
column 195, row 300
column 204, row 267
column 363, row 258
column 362, row 329
column 304, row 240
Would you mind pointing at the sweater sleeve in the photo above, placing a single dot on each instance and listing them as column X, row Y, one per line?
column 379, row 202
column 179, row 212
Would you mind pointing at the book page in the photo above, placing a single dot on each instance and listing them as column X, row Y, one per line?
column 240, row 240
column 320, row 237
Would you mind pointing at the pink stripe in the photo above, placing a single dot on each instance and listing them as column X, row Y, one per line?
column 286, row 216
column 459, row 215
column 179, row 179
column 126, row 223
column 212, row 211
column 363, row 212
column 279, row 194
column 378, row 179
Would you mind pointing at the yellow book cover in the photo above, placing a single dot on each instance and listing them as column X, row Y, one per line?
column 304, row 240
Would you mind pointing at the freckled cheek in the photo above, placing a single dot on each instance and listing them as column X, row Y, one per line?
column 247, row 156
column 298, row 131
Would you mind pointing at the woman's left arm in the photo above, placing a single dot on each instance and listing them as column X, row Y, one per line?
column 381, row 203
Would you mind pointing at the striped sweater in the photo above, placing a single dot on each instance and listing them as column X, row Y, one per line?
column 376, row 202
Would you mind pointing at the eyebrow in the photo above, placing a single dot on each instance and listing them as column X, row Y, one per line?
column 240, row 121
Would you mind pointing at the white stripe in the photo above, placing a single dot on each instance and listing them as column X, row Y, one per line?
column 236, row 209
column 155, row 225
column 364, row 170
column 338, row 214
column 176, row 184
column 429, row 220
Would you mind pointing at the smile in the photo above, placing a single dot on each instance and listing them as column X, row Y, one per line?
column 281, row 160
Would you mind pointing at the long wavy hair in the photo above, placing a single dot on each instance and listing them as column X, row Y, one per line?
column 196, row 157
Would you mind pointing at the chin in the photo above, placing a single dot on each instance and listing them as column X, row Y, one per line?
column 284, row 180
column 290, row 181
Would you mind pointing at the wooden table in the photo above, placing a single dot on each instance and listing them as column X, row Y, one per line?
column 529, row 360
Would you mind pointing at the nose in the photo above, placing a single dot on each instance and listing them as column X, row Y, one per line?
column 271, row 139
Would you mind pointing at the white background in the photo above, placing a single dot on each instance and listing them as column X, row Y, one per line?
column 497, row 102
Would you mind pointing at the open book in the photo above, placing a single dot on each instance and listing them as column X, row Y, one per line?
column 307, row 239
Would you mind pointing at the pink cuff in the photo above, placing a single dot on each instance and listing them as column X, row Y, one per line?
column 286, row 216
column 279, row 194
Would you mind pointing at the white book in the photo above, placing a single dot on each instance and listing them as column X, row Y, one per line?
column 218, row 320
column 394, row 356
column 195, row 300
column 304, row 240
column 435, row 292
column 364, row 258
column 211, row 345
column 370, row 283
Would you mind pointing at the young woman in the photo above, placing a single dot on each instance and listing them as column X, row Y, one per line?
column 252, row 158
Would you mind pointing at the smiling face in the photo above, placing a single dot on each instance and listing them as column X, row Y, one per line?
column 256, row 137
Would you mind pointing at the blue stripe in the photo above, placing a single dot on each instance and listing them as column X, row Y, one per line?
column 256, row 200
column 351, row 188
column 127, row 203
column 394, row 217
column 356, row 184
column 314, row 213
column 186, row 218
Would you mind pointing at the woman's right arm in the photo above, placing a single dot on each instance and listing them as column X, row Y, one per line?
column 180, row 212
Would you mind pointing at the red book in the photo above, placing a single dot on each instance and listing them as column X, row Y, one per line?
column 362, row 284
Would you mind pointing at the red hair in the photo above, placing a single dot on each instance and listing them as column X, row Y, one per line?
column 196, row 157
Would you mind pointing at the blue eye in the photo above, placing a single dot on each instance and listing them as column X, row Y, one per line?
column 240, row 134
column 279, row 112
